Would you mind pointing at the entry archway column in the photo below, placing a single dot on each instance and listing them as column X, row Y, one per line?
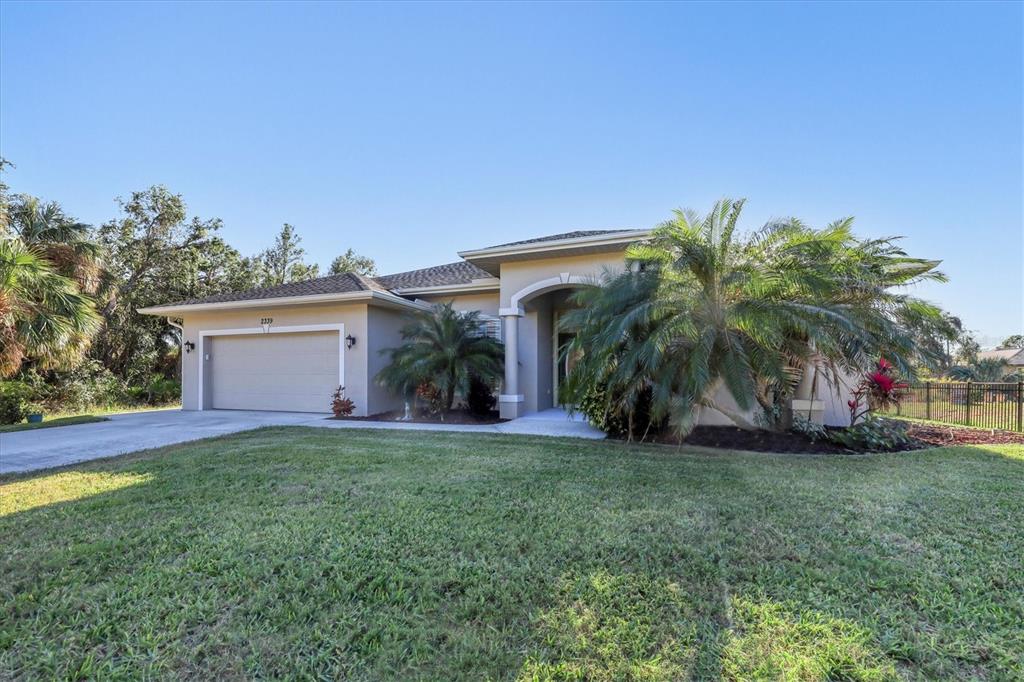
column 510, row 401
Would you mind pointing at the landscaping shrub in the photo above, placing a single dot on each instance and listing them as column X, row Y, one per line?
column 14, row 397
column 88, row 385
column 432, row 396
column 606, row 415
column 159, row 390
column 873, row 434
column 813, row 430
column 480, row 398
column 340, row 405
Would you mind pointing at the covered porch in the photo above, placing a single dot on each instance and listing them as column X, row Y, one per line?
column 536, row 363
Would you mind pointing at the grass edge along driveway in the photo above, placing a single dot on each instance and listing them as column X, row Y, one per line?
column 376, row 554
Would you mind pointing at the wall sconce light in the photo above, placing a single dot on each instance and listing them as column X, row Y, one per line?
column 350, row 341
column 189, row 346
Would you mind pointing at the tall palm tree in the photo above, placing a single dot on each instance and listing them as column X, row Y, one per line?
column 700, row 309
column 445, row 348
column 59, row 239
column 43, row 315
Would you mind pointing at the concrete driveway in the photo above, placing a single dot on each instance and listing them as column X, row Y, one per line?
column 44, row 448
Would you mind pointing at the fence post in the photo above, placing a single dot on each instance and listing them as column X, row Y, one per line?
column 968, row 420
column 927, row 400
column 1020, row 404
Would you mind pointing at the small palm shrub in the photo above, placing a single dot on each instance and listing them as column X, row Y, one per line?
column 444, row 349
column 703, row 309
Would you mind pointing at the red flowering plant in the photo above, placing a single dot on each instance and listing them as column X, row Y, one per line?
column 878, row 389
column 340, row 405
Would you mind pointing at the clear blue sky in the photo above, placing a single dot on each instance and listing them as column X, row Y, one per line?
column 411, row 131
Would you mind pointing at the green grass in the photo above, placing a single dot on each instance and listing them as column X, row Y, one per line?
column 50, row 423
column 293, row 552
column 115, row 409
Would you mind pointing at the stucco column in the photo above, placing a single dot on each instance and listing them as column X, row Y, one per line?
column 510, row 401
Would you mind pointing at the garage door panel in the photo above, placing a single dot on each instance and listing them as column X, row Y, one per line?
column 291, row 371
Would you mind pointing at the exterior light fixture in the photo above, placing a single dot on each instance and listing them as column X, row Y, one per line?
column 350, row 341
column 189, row 346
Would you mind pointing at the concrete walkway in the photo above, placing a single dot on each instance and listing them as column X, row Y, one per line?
column 43, row 448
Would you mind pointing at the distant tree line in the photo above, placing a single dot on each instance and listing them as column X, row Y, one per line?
column 69, row 292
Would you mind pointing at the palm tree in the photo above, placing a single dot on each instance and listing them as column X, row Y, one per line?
column 700, row 309
column 444, row 348
column 985, row 370
column 43, row 315
column 59, row 239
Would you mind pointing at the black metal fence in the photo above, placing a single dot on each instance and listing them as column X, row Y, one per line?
column 987, row 405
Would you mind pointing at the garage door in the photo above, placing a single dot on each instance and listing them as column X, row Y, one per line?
column 291, row 372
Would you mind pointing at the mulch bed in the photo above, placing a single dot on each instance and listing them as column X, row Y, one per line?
column 924, row 435
column 453, row 417
column 941, row 434
column 732, row 438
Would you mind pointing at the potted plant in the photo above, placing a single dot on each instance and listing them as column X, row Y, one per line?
column 34, row 413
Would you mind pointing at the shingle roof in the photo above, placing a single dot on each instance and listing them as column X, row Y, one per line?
column 1011, row 356
column 460, row 272
column 564, row 235
column 332, row 284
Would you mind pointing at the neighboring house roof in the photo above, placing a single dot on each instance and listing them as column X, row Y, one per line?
column 460, row 272
column 1011, row 356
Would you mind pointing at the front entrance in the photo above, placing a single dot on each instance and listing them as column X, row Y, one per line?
column 564, row 361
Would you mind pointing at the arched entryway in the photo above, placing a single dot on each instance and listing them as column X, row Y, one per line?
column 532, row 341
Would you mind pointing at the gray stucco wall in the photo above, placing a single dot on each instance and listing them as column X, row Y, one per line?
column 384, row 332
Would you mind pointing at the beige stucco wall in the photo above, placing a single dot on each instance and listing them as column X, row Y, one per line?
column 352, row 315
column 518, row 275
column 486, row 303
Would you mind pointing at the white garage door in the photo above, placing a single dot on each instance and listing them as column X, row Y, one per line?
column 290, row 372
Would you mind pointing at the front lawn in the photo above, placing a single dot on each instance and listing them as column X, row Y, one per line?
column 292, row 552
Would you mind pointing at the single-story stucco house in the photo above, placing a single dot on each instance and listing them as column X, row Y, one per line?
column 1012, row 357
column 289, row 347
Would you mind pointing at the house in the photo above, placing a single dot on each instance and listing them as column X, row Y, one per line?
column 1013, row 357
column 289, row 347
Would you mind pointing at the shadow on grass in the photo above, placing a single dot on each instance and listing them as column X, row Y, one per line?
column 378, row 554
column 631, row 626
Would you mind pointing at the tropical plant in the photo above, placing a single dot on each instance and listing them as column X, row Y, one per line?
column 878, row 389
column 341, row 405
column 701, row 310
column 444, row 348
column 987, row 369
column 65, row 243
column 43, row 315
column 873, row 434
